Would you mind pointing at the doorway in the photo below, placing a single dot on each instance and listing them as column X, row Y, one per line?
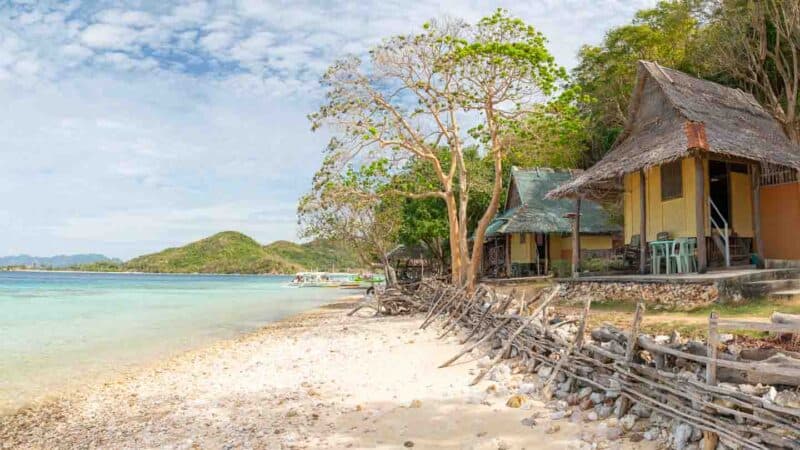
column 719, row 191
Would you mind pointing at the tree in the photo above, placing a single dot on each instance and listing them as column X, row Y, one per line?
column 757, row 44
column 450, row 86
column 667, row 34
column 553, row 135
column 346, row 208
column 425, row 220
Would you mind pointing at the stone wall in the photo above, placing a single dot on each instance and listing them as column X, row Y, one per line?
column 663, row 296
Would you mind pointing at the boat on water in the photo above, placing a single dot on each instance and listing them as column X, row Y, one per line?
column 335, row 280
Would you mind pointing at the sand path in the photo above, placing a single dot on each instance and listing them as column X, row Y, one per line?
column 318, row 380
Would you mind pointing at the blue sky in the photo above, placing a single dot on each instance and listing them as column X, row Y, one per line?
column 126, row 127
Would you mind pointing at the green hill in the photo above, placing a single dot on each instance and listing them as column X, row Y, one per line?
column 315, row 255
column 233, row 252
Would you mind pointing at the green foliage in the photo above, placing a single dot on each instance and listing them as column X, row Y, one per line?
column 100, row 266
column 669, row 34
column 561, row 268
column 233, row 252
column 399, row 118
column 226, row 252
column 553, row 135
column 315, row 255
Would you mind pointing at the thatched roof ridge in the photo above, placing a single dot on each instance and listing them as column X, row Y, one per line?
column 671, row 114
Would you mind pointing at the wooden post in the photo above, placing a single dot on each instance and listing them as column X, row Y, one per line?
column 630, row 351
column 755, row 184
column 700, row 216
column 713, row 342
column 576, row 239
column 711, row 439
column 546, row 253
column 642, row 223
column 508, row 256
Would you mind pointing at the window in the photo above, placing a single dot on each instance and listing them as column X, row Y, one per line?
column 671, row 181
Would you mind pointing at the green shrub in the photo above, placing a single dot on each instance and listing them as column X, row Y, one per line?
column 561, row 268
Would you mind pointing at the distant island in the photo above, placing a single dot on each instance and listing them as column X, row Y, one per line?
column 228, row 252
column 55, row 262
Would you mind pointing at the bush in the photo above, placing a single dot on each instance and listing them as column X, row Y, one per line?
column 561, row 268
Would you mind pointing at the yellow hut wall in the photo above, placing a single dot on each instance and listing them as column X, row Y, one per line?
column 556, row 250
column 522, row 252
column 588, row 242
column 677, row 216
column 560, row 246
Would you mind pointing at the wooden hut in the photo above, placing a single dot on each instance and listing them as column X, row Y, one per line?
column 695, row 160
column 532, row 232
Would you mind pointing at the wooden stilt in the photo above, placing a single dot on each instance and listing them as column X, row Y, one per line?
column 642, row 223
column 700, row 215
column 576, row 239
column 508, row 256
column 755, row 184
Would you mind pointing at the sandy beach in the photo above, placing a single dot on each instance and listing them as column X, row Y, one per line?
column 316, row 380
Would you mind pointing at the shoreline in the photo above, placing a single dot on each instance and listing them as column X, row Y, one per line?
column 316, row 379
column 128, row 272
column 118, row 371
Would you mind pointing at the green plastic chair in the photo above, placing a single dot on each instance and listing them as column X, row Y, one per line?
column 659, row 256
column 682, row 255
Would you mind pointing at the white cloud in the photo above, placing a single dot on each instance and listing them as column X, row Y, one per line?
column 125, row 62
column 108, row 36
column 125, row 18
column 217, row 41
column 129, row 128
column 76, row 52
column 254, row 47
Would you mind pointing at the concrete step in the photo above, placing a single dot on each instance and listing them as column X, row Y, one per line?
column 788, row 295
column 764, row 287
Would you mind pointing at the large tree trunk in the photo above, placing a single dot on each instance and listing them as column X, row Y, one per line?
column 463, row 200
column 455, row 251
column 391, row 274
column 483, row 223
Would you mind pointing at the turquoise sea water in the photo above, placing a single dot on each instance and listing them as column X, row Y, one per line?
column 61, row 330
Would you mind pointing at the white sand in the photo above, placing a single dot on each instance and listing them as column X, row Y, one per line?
column 319, row 380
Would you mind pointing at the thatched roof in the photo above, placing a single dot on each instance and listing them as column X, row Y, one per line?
column 672, row 114
column 536, row 214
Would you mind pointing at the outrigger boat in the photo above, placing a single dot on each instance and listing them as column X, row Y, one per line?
column 333, row 279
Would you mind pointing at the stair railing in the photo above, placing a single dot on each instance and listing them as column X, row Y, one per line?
column 723, row 230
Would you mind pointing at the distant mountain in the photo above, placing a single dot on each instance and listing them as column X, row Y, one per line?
column 57, row 262
column 234, row 252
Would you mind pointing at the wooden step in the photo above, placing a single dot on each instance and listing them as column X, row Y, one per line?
column 767, row 286
column 789, row 295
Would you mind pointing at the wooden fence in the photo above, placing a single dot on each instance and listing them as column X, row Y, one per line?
column 661, row 376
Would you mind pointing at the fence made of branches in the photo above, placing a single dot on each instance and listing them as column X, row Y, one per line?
column 691, row 381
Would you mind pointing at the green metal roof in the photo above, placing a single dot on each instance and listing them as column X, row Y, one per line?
column 536, row 214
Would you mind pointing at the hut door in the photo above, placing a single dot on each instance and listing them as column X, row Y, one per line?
column 719, row 190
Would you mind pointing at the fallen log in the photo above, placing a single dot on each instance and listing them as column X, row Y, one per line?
column 785, row 319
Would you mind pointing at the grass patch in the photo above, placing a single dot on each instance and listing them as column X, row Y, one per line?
column 761, row 307
column 614, row 305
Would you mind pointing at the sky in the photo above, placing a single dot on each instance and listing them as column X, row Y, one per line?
column 130, row 126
